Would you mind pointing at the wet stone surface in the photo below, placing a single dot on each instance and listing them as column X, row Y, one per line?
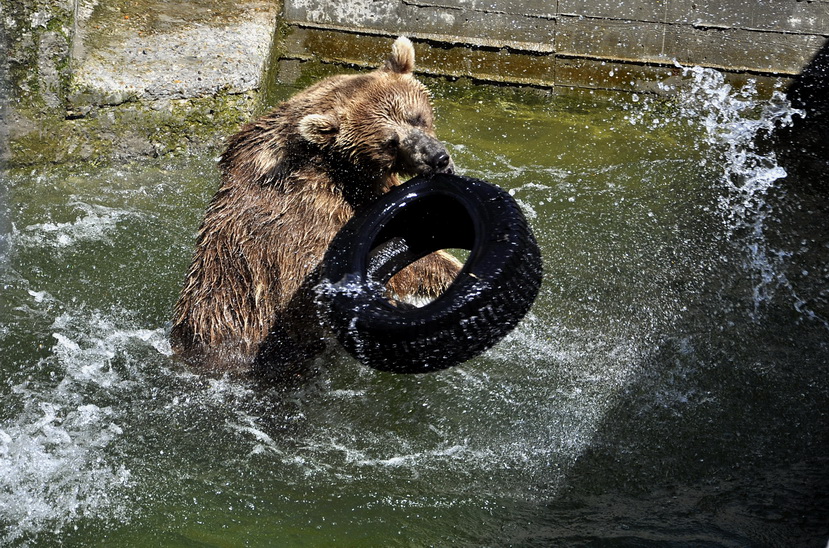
column 173, row 50
column 122, row 80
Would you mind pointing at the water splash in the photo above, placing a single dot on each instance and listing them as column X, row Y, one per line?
column 53, row 468
column 54, row 453
column 735, row 121
column 94, row 225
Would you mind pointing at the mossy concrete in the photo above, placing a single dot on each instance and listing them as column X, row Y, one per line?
column 129, row 130
column 305, row 48
column 103, row 81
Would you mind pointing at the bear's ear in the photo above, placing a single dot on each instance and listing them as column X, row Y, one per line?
column 319, row 128
column 402, row 58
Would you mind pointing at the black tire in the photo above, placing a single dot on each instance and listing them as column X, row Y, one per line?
column 494, row 290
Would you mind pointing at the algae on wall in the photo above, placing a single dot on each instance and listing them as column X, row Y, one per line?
column 4, row 89
column 37, row 41
column 102, row 81
column 35, row 38
column 595, row 44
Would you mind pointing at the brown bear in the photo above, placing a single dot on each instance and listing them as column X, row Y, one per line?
column 290, row 180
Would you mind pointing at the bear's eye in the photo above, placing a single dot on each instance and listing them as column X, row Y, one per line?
column 393, row 141
column 417, row 120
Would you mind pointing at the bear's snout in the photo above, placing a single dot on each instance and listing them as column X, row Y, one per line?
column 422, row 154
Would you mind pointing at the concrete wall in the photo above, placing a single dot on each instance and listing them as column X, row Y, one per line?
column 123, row 79
column 567, row 42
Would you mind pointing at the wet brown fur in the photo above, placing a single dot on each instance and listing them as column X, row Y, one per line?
column 290, row 180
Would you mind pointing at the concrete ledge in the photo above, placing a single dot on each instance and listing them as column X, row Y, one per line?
column 175, row 51
column 436, row 21
column 788, row 16
column 436, row 58
column 494, row 65
column 731, row 49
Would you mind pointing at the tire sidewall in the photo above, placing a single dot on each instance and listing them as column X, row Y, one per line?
column 480, row 306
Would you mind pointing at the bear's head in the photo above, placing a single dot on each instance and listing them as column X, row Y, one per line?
column 382, row 122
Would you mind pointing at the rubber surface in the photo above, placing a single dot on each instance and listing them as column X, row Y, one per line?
column 494, row 290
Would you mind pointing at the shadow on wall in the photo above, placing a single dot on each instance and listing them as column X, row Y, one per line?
column 804, row 147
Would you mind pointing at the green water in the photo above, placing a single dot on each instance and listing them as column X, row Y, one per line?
column 668, row 387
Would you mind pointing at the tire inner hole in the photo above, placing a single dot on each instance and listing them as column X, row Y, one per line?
column 418, row 228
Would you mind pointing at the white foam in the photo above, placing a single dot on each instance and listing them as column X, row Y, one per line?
column 94, row 224
column 55, row 466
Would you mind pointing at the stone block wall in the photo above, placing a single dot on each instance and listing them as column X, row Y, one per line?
column 568, row 42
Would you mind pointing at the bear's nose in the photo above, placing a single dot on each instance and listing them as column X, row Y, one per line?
column 441, row 160
column 424, row 154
